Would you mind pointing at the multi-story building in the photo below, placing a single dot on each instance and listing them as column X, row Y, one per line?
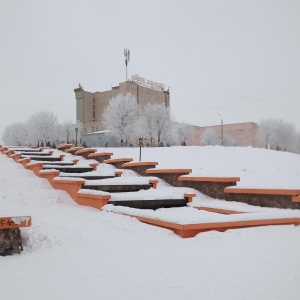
column 90, row 106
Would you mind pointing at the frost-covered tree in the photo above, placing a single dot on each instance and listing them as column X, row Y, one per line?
column 209, row 136
column 157, row 124
column 284, row 135
column 120, row 117
column 265, row 131
column 42, row 127
column 66, row 131
column 182, row 132
column 276, row 133
column 228, row 140
column 16, row 134
column 147, row 126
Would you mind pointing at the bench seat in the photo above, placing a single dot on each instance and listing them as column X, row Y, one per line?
column 118, row 162
column 140, row 167
column 169, row 175
column 85, row 152
column 100, row 156
column 267, row 197
column 64, row 147
column 210, row 186
column 10, row 235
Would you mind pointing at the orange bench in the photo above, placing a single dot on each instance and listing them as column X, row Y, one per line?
column 268, row 197
column 73, row 149
column 141, row 166
column 10, row 235
column 117, row 162
column 96, row 201
column 100, row 156
column 85, row 152
column 210, row 186
column 64, row 147
column 169, row 175
column 190, row 230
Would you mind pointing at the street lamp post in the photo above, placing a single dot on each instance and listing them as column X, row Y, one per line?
column 76, row 131
column 140, row 144
column 222, row 137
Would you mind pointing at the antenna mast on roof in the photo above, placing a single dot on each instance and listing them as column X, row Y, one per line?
column 127, row 58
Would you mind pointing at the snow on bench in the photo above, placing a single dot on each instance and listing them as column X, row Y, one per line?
column 73, row 150
column 169, row 175
column 64, row 147
column 268, row 197
column 140, row 167
column 210, row 186
column 85, row 152
column 188, row 222
column 117, row 162
column 100, row 156
column 10, row 234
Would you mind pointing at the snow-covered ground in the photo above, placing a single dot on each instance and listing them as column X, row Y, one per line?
column 76, row 252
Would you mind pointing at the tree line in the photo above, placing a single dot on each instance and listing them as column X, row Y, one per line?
column 41, row 129
column 154, row 123
column 129, row 123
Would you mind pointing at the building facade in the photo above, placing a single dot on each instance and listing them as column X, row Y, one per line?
column 238, row 134
column 90, row 106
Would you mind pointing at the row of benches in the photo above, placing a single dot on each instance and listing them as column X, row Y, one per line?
column 179, row 177
column 214, row 187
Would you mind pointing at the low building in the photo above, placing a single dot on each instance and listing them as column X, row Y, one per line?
column 239, row 134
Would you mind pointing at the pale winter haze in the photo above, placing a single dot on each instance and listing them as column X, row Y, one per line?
column 76, row 252
column 240, row 59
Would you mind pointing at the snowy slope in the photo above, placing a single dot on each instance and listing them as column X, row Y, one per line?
column 81, row 253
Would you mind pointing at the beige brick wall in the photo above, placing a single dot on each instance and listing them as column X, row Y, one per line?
column 241, row 134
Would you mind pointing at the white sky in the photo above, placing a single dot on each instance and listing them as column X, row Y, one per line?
column 240, row 59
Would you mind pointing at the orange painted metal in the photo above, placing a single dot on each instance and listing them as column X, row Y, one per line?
column 295, row 198
column 96, row 201
column 291, row 192
column 154, row 183
column 170, row 171
column 24, row 161
column 116, row 160
column 73, row 149
column 190, row 230
column 219, row 210
column 85, row 151
column 16, row 156
column 70, row 186
column 15, row 222
column 49, row 175
column 209, row 179
column 94, row 165
column 189, row 196
column 63, row 147
column 93, row 155
column 140, row 163
column 36, row 168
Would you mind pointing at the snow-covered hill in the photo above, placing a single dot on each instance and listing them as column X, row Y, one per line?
column 76, row 252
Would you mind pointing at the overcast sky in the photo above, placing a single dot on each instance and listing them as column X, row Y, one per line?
column 240, row 59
